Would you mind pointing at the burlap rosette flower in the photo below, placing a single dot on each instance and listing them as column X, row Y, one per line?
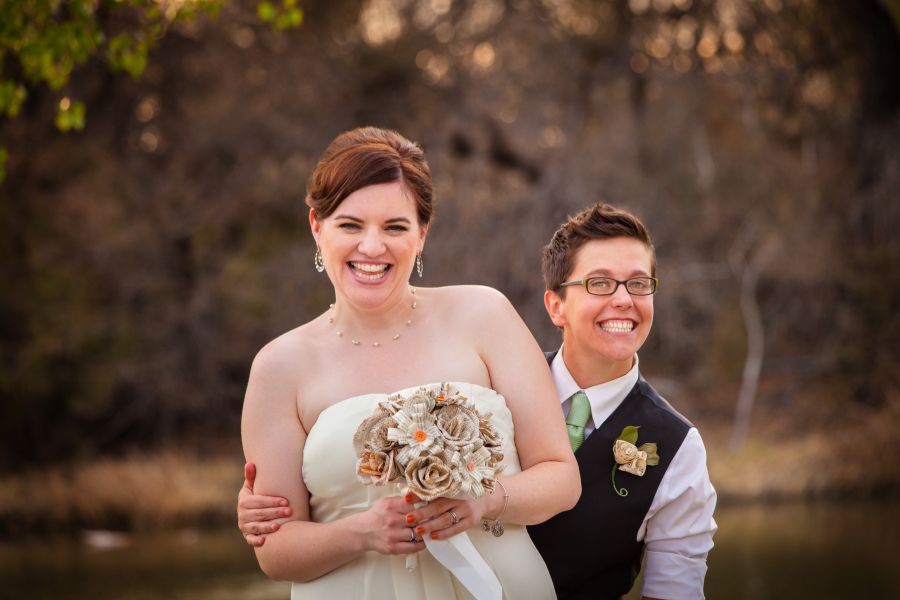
column 630, row 458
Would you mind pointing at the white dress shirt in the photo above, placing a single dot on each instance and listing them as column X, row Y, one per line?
column 679, row 525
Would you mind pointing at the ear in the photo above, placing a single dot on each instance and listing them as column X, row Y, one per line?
column 555, row 305
column 314, row 225
column 423, row 232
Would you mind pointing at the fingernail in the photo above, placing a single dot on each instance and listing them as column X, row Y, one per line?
column 420, row 530
column 410, row 519
column 286, row 512
column 434, row 535
column 283, row 503
column 275, row 526
column 409, row 498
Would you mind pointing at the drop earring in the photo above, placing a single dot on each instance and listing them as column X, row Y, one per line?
column 317, row 260
column 419, row 266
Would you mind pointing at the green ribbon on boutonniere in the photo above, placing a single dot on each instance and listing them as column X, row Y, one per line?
column 631, row 458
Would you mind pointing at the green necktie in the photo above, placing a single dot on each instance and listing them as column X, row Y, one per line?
column 579, row 413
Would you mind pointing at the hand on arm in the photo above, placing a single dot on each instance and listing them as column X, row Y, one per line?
column 255, row 513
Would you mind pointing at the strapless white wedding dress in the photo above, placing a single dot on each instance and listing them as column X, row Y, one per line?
column 329, row 471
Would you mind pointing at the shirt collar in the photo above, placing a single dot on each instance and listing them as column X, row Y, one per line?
column 604, row 397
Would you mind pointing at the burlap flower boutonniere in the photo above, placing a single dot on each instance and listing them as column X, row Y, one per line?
column 631, row 458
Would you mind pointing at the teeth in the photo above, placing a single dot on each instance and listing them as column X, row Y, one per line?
column 617, row 326
column 368, row 267
column 369, row 271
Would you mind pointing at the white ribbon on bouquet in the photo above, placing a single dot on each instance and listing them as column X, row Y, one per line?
column 460, row 556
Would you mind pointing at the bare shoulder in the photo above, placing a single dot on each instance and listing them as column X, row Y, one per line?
column 284, row 358
column 473, row 303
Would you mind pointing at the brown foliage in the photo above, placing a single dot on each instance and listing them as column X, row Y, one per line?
column 150, row 256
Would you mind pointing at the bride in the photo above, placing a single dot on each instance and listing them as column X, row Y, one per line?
column 371, row 201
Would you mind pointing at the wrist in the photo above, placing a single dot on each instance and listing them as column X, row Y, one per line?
column 356, row 529
column 501, row 500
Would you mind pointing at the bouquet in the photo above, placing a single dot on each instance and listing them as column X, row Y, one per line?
column 435, row 441
column 436, row 444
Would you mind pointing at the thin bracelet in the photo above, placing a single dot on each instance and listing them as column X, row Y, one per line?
column 494, row 525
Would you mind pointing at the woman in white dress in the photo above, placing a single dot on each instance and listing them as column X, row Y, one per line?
column 370, row 200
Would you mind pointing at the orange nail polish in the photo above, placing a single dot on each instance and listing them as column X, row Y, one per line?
column 434, row 535
column 410, row 498
column 420, row 530
column 410, row 519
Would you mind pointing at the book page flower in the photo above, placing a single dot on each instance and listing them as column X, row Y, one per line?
column 419, row 403
column 430, row 477
column 372, row 432
column 459, row 426
column 416, row 434
column 492, row 438
column 449, row 396
column 376, row 468
column 475, row 470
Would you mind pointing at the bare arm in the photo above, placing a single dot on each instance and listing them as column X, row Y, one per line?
column 273, row 438
column 550, row 481
column 256, row 513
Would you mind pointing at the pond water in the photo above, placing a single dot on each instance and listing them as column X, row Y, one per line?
column 803, row 551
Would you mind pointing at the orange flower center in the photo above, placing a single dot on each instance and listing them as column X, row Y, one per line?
column 470, row 466
column 440, row 397
column 420, row 435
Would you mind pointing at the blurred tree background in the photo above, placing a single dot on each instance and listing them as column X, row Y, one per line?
column 147, row 256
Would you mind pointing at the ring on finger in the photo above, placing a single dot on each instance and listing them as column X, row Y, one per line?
column 454, row 517
column 412, row 536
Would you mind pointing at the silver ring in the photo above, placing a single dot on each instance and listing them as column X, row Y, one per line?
column 412, row 536
column 454, row 517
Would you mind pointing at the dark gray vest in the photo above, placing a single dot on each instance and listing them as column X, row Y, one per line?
column 591, row 550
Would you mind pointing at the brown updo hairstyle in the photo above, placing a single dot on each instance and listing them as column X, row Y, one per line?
column 368, row 156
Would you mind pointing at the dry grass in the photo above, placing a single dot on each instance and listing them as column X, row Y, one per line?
column 164, row 490
column 852, row 454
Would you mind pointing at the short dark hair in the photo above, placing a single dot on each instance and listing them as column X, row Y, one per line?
column 369, row 156
column 597, row 222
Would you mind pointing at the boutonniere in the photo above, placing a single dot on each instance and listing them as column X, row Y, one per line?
column 631, row 458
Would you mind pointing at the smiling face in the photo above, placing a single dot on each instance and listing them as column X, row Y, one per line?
column 601, row 334
column 369, row 244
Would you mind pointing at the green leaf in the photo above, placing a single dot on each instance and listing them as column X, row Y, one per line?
column 630, row 434
column 12, row 96
column 70, row 116
column 652, row 456
column 266, row 11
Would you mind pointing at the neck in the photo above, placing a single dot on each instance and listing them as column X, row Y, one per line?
column 593, row 371
column 389, row 316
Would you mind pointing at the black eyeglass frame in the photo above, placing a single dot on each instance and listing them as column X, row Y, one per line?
column 584, row 283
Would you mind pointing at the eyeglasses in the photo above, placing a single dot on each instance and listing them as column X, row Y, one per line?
column 607, row 286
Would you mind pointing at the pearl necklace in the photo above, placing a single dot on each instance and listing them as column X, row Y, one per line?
column 396, row 336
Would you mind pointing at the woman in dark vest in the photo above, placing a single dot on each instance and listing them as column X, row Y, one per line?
column 648, row 493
